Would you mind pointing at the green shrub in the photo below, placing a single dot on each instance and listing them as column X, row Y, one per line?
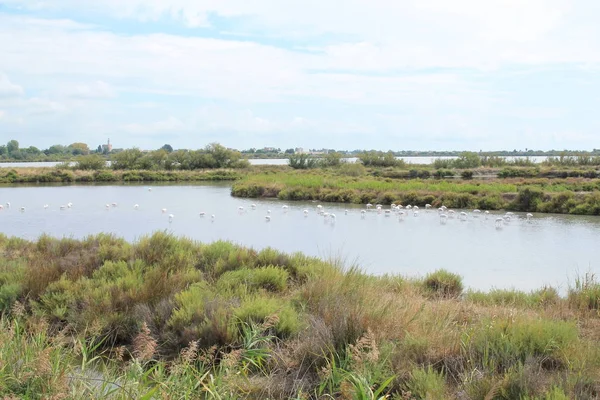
column 426, row 384
column 528, row 199
column 352, row 169
column 273, row 279
column 258, row 308
column 466, row 174
column 443, row 284
column 502, row 343
column 93, row 162
column 586, row 293
column 9, row 293
column 514, row 298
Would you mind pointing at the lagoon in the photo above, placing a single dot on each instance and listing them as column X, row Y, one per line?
column 548, row 250
column 280, row 161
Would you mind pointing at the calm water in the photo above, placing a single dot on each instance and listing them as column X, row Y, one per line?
column 275, row 161
column 550, row 249
column 408, row 160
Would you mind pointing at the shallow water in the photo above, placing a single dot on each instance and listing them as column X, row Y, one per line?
column 548, row 250
column 274, row 161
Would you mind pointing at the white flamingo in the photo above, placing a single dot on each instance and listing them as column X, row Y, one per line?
column 529, row 216
column 253, row 206
column 427, row 206
column 499, row 222
column 8, row 204
column 164, row 210
column 22, row 209
column 171, row 216
column 63, row 207
column 69, row 205
column 136, row 206
column 443, row 218
column 268, row 218
column 463, row 216
column 1, row 207
column 46, row 206
column 369, row 205
column 415, row 213
column 345, row 212
column 202, row 213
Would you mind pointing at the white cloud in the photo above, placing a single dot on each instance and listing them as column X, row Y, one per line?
column 406, row 33
column 9, row 89
column 95, row 90
column 385, row 68
column 170, row 124
column 41, row 106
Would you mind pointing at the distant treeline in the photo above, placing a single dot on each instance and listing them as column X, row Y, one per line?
column 464, row 160
column 212, row 156
column 13, row 152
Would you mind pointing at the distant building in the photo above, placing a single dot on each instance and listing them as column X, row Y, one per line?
column 107, row 148
column 299, row 150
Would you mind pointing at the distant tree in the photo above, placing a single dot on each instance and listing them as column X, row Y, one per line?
column 290, row 151
column 302, row 161
column 127, row 159
column 32, row 150
column 12, row 146
column 57, row 149
column 99, row 149
column 90, row 162
column 331, row 159
column 379, row 159
column 168, row 148
column 468, row 159
column 79, row 148
column 3, row 150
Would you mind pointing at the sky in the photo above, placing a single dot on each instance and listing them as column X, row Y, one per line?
column 358, row 74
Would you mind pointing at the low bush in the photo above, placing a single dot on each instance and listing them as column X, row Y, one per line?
column 444, row 284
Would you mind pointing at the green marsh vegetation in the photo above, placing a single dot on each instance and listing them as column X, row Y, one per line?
column 354, row 183
column 167, row 317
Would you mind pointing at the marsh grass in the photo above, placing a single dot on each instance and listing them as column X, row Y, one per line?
column 571, row 195
column 168, row 317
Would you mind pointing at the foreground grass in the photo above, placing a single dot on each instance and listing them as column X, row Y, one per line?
column 170, row 318
column 572, row 195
